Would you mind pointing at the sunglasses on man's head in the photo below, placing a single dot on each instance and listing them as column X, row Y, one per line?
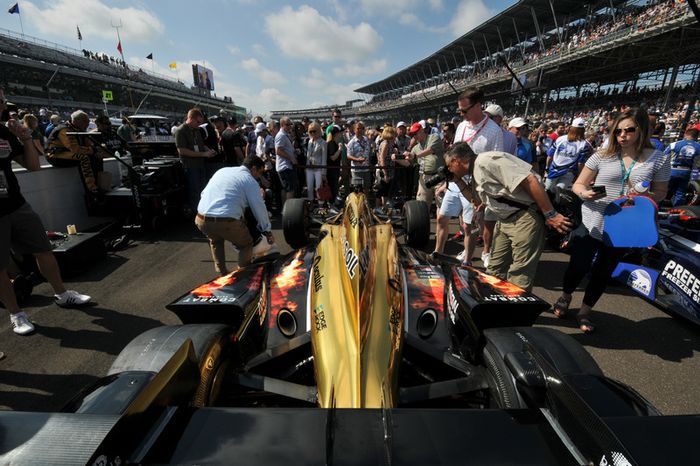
column 630, row 130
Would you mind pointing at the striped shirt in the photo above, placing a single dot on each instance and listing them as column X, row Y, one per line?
column 656, row 168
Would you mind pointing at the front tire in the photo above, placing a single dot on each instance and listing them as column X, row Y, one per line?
column 295, row 224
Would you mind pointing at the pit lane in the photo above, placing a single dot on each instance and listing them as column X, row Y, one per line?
column 634, row 341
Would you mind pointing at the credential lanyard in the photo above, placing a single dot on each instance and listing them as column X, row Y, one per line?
column 625, row 174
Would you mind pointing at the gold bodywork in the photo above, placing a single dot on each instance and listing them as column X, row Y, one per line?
column 357, row 311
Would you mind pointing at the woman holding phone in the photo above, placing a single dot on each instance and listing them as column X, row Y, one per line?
column 607, row 175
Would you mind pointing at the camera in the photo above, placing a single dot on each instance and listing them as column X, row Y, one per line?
column 443, row 174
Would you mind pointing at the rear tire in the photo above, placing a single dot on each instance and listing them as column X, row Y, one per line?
column 417, row 215
column 295, row 222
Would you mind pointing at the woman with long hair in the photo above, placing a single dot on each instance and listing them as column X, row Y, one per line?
column 315, row 155
column 629, row 159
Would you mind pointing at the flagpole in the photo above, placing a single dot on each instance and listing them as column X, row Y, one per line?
column 21, row 26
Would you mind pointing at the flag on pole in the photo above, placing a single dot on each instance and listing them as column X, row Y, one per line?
column 80, row 36
column 119, row 47
column 14, row 9
column 173, row 65
column 150, row 56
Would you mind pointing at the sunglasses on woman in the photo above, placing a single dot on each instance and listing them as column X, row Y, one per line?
column 630, row 130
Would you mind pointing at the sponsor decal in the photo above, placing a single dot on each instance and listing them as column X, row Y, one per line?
column 209, row 299
column 317, row 277
column 682, row 279
column 352, row 217
column 426, row 273
column 452, row 304
column 351, row 260
column 616, row 459
column 320, row 318
column 509, row 299
column 640, row 281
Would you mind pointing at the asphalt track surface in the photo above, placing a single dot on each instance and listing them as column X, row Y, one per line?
column 634, row 342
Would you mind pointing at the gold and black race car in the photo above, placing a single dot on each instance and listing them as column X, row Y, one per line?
column 353, row 349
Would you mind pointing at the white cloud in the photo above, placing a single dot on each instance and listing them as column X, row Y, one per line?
column 259, row 49
column 469, row 14
column 320, row 86
column 234, row 50
column 374, row 7
column 366, row 69
column 271, row 98
column 305, row 33
column 436, row 4
column 265, row 75
column 59, row 18
column 409, row 19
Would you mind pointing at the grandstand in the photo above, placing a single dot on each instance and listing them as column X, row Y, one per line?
column 37, row 73
column 349, row 110
column 571, row 55
column 563, row 46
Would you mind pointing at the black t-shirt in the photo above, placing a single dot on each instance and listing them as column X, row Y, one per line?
column 331, row 149
column 10, row 196
column 211, row 140
column 231, row 139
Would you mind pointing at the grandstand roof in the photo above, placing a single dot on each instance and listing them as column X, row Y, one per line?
column 507, row 28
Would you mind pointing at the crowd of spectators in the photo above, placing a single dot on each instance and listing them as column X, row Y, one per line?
column 104, row 58
column 630, row 19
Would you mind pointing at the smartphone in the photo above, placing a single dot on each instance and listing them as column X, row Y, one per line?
column 599, row 189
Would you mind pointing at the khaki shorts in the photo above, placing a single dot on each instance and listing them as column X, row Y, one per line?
column 22, row 231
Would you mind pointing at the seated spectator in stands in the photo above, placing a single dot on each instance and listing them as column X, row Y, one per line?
column 21, row 228
column 54, row 121
column 684, row 156
column 32, row 123
column 193, row 153
column 525, row 151
column 316, row 154
column 567, row 156
column 65, row 150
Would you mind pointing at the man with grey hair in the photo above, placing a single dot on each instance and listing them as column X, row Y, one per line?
column 66, row 150
column 286, row 158
column 514, row 193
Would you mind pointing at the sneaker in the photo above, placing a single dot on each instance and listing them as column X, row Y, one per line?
column 71, row 298
column 486, row 258
column 459, row 236
column 462, row 255
column 263, row 248
column 21, row 324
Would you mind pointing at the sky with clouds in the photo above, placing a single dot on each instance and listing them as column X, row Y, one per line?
column 265, row 54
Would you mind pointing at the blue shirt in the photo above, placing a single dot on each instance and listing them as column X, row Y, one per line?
column 566, row 155
column 525, row 151
column 229, row 192
column 684, row 156
column 284, row 141
column 658, row 145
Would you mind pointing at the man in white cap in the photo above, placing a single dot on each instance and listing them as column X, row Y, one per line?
column 510, row 142
column 525, row 150
column 567, row 155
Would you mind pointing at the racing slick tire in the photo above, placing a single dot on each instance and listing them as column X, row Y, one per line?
column 153, row 348
column 417, row 215
column 563, row 352
column 295, row 222
column 692, row 195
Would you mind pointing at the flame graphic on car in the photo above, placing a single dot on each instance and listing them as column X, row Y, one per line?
column 291, row 277
column 508, row 289
column 207, row 290
column 426, row 292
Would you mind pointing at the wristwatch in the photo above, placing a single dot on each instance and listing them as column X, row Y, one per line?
column 550, row 214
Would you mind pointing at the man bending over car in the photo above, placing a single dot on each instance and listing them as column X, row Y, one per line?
column 513, row 192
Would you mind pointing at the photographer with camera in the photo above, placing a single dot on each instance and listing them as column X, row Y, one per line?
column 427, row 152
column 510, row 189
